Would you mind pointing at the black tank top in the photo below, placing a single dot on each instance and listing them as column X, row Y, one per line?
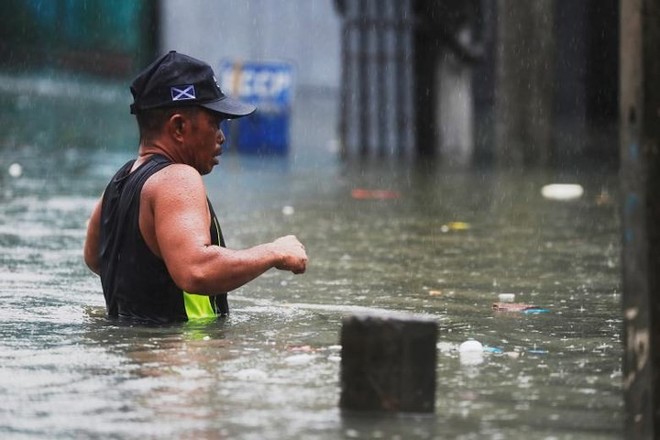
column 136, row 283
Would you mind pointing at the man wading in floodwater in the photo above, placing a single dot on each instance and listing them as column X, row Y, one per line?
column 153, row 236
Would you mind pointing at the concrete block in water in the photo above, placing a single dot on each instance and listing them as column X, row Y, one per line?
column 388, row 363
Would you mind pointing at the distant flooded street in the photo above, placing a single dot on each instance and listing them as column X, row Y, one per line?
column 417, row 238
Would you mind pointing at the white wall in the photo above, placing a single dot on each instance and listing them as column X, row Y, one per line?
column 306, row 32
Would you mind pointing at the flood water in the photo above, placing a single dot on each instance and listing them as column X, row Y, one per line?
column 438, row 243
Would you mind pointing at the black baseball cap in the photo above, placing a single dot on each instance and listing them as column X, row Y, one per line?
column 177, row 80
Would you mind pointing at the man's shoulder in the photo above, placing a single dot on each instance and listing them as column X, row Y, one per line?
column 179, row 171
column 174, row 179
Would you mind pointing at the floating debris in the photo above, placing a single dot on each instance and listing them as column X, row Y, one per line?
column 494, row 350
column 435, row 292
column 537, row 351
column 15, row 170
column 535, row 311
column 562, row 191
column 471, row 352
column 288, row 210
column 511, row 307
column 527, row 309
column 506, row 297
column 471, row 346
column 455, row 226
column 374, row 194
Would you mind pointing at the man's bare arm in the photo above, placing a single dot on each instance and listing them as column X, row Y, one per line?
column 182, row 229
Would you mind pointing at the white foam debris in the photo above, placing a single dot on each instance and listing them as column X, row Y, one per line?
column 471, row 346
column 471, row 352
column 15, row 170
column 506, row 297
column 562, row 191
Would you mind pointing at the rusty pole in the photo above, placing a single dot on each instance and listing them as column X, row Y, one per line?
column 640, row 179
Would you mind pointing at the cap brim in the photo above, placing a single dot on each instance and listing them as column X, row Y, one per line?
column 232, row 108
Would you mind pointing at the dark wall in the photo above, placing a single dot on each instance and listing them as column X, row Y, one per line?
column 584, row 88
column 603, row 61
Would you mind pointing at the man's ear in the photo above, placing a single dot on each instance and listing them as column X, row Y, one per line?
column 176, row 125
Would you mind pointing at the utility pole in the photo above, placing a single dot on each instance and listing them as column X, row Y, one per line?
column 640, row 176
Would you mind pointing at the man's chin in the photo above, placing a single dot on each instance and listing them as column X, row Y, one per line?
column 205, row 171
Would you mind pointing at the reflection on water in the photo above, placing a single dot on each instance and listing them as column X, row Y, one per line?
column 445, row 244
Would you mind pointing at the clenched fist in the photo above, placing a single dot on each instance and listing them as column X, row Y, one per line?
column 291, row 254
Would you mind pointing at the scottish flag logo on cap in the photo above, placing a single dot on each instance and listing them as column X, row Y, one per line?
column 183, row 93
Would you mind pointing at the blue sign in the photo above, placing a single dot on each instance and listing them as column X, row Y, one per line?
column 269, row 86
column 268, row 83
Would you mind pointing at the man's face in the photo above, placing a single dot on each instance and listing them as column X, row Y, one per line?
column 205, row 139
